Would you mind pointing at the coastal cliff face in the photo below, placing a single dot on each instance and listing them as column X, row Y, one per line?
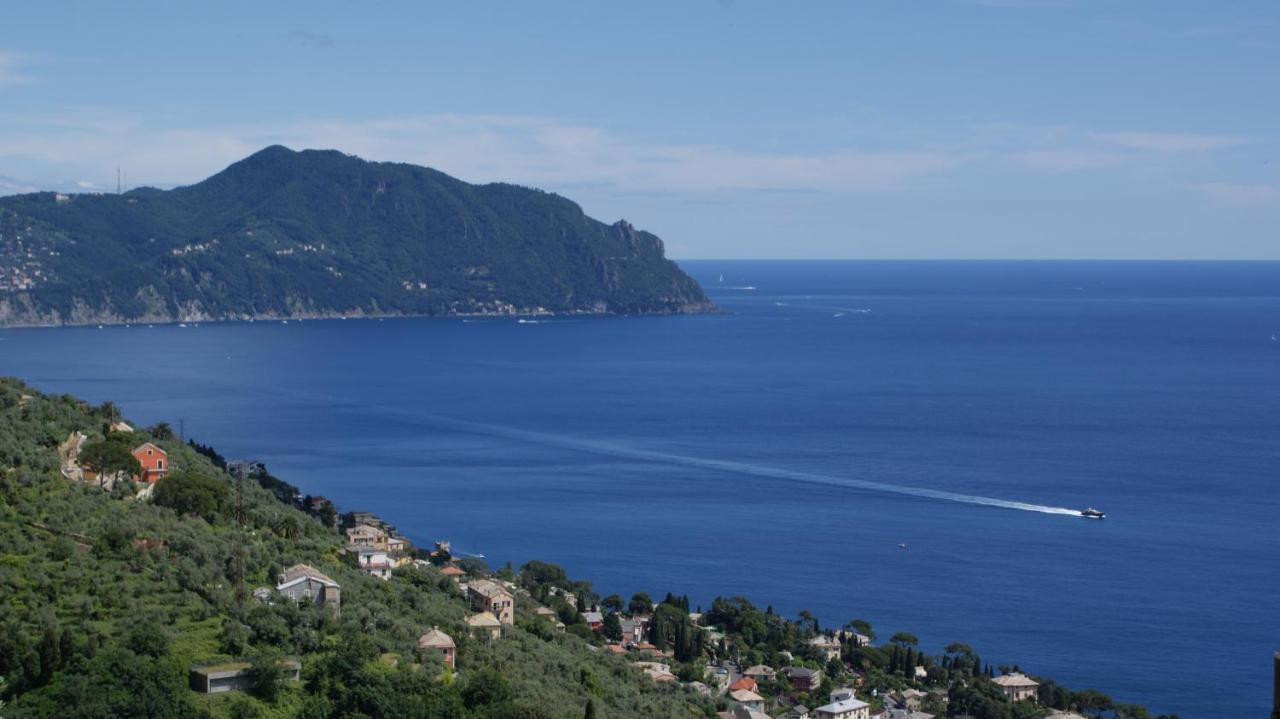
column 321, row 234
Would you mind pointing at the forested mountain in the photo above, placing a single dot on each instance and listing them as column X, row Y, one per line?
column 319, row 233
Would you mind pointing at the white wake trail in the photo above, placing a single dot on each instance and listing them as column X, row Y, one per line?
column 610, row 449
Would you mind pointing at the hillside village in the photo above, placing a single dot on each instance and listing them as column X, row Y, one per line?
column 244, row 643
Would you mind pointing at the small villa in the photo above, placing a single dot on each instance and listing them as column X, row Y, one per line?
column 302, row 583
column 829, row 646
column 374, row 562
column 452, row 572
column 747, row 698
column 487, row 595
column 844, row 709
column 1017, row 686
column 437, row 641
column 364, row 535
column 485, row 625
column 154, row 461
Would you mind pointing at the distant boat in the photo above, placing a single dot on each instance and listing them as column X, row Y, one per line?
column 722, row 278
column 1092, row 513
column 902, row 545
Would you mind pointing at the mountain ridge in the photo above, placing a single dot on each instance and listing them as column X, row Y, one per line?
column 318, row 233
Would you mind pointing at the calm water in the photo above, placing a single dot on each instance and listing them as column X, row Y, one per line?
column 723, row 454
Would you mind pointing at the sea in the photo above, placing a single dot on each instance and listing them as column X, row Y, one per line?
column 908, row 443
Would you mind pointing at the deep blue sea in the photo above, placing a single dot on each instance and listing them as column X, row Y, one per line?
column 776, row 451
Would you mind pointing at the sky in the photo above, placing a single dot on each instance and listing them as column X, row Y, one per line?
column 957, row 129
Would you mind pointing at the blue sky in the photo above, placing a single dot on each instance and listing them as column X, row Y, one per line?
column 890, row 129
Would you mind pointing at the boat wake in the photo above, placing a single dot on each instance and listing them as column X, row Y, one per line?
column 611, row 449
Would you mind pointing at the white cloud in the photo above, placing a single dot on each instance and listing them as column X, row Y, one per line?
column 1168, row 141
column 10, row 69
column 477, row 148
column 1242, row 194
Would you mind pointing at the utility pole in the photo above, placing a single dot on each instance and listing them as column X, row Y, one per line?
column 239, row 549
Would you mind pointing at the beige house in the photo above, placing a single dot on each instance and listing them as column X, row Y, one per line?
column 829, row 646
column 487, row 595
column 437, row 641
column 747, row 698
column 1017, row 687
column 485, row 624
column 367, row 537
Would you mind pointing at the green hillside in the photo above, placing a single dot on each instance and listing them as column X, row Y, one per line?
column 320, row 233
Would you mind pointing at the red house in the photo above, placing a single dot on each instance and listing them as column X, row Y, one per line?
column 154, row 461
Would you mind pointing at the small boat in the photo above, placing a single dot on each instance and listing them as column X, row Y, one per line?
column 902, row 545
column 1092, row 513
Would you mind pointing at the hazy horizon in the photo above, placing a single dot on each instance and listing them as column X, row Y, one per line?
column 960, row 129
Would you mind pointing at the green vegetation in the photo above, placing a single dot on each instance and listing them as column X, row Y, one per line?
column 88, row 581
column 107, row 602
column 320, row 233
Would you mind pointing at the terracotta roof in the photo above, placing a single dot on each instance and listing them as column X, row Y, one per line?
column 435, row 639
column 746, row 683
column 452, row 571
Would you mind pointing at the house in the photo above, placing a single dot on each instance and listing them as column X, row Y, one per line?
column 798, row 711
column 437, row 641
column 455, row 573
column 546, row 613
column 233, row 676
column 358, row 517
column 829, row 646
column 154, row 461
column 487, row 595
column 595, row 620
column 302, row 583
column 743, row 711
column 839, row 695
column 263, row 594
column 911, row 698
column 397, row 545
column 1017, row 686
column 374, row 562
column 760, row 673
column 657, row 671
column 747, row 698
column 803, row 678
column 746, row 683
column 122, row 427
column 364, row 535
column 314, row 504
column 485, row 625
column 844, row 709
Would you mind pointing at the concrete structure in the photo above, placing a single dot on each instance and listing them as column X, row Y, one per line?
column 844, row 709
column 1017, row 687
column 302, row 583
column 487, row 595
column 233, row 676
column 437, row 641
column 760, row 673
column 154, row 461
